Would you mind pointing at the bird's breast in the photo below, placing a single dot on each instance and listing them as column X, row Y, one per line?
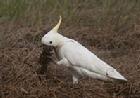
column 59, row 52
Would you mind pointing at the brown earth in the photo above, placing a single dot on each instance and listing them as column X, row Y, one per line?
column 19, row 65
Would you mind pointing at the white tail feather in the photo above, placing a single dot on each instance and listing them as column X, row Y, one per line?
column 112, row 73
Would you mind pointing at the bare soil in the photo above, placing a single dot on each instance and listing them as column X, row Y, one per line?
column 20, row 65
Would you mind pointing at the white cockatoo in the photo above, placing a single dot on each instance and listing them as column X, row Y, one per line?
column 79, row 59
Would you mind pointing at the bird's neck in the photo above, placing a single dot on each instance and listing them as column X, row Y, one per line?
column 62, row 41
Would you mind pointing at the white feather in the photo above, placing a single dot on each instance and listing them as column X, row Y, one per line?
column 85, row 62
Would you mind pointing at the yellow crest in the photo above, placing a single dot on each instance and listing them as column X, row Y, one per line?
column 55, row 29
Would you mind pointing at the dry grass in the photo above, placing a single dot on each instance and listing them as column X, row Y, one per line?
column 109, row 28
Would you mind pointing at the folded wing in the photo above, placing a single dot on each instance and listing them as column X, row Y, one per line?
column 80, row 56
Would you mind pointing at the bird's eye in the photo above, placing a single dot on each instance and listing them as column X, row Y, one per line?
column 50, row 42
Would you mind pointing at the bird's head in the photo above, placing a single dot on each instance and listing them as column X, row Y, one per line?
column 53, row 38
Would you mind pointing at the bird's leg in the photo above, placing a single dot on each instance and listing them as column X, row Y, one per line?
column 75, row 79
column 75, row 75
column 63, row 61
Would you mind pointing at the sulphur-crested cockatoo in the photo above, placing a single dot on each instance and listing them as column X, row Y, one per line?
column 79, row 59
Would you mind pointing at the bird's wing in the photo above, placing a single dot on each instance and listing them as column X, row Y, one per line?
column 80, row 56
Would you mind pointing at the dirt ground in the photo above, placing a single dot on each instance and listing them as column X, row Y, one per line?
column 20, row 56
